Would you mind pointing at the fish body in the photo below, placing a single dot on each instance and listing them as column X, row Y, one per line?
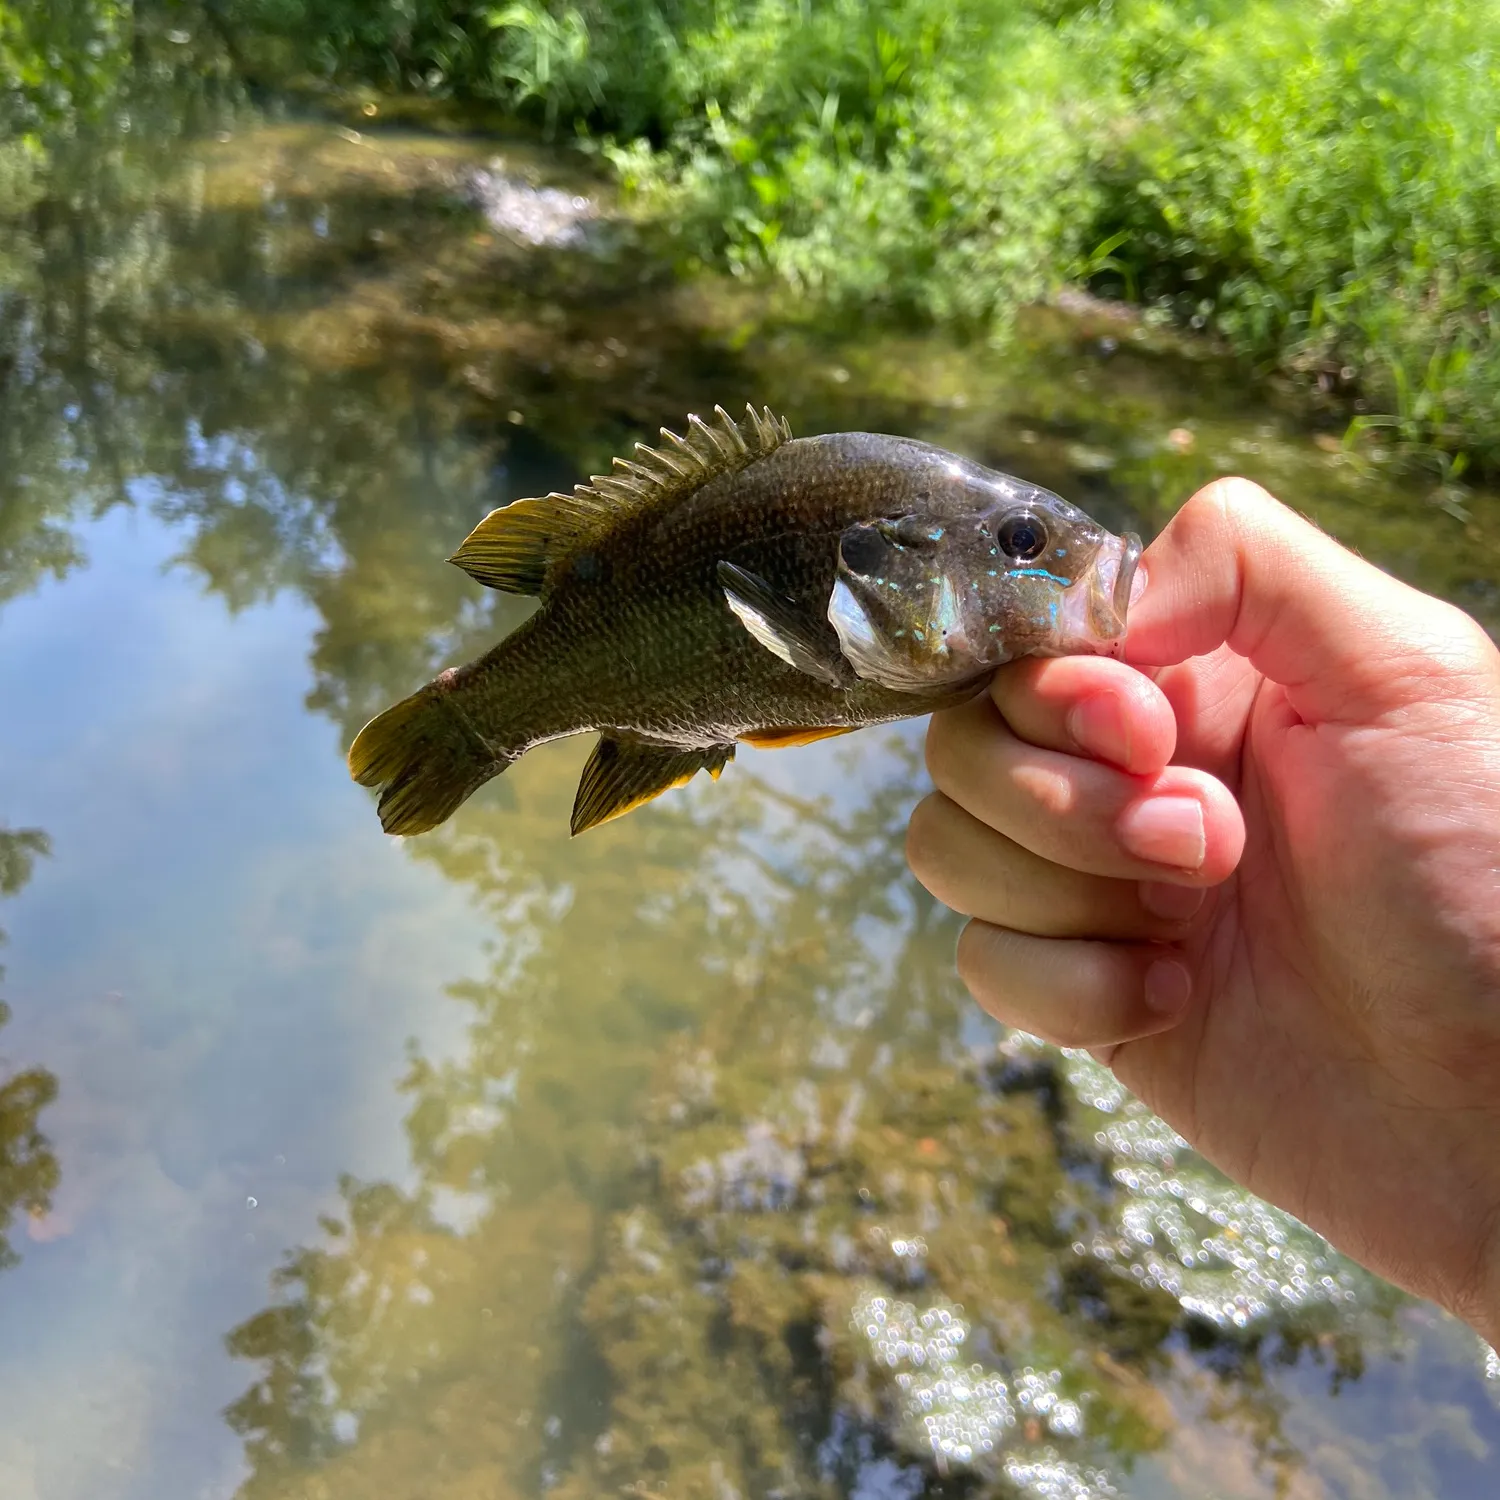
column 689, row 604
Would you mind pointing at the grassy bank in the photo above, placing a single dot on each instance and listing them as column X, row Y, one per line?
column 1316, row 184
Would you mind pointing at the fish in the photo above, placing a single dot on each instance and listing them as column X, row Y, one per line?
column 737, row 585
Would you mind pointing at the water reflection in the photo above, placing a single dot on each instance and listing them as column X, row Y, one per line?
column 29, row 1170
column 722, row 1107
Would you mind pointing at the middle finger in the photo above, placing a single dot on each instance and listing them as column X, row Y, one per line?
column 980, row 873
column 1180, row 825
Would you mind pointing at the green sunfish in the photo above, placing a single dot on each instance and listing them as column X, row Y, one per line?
column 737, row 585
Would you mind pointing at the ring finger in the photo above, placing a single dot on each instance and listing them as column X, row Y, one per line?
column 1075, row 994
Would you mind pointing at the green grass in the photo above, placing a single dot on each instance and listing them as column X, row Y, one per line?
column 1313, row 181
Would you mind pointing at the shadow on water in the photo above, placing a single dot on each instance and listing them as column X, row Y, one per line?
column 729, row 1193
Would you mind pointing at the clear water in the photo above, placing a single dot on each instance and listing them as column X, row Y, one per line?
column 668, row 1161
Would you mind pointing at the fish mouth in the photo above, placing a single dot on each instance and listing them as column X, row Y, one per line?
column 1095, row 615
column 1122, row 595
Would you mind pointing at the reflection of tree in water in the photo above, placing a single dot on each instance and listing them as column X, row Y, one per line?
column 28, row 1169
column 717, row 1100
column 719, row 1096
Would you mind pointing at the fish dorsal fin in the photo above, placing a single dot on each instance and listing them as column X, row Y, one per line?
column 514, row 548
column 622, row 774
column 780, row 626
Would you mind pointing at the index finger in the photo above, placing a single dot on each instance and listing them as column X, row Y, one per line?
column 1235, row 567
column 1088, row 705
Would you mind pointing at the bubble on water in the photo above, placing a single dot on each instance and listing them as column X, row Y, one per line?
column 252, row 1203
column 1047, row 1477
column 1492, row 1364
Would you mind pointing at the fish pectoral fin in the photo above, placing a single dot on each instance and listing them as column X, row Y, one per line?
column 780, row 625
column 622, row 774
column 784, row 739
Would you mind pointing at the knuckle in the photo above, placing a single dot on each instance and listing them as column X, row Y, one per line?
column 976, row 959
column 925, row 841
column 937, row 751
column 1054, row 793
column 1063, row 1029
column 1233, row 492
column 1222, row 509
column 1016, row 682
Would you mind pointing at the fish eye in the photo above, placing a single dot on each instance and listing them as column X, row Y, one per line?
column 862, row 550
column 1022, row 536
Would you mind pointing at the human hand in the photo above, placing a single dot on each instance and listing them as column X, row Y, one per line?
column 1256, row 870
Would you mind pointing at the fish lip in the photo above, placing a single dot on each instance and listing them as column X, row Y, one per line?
column 1123, row 594
column 1096, row 614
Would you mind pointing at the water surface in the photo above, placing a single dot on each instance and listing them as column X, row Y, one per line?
column 669, row 1161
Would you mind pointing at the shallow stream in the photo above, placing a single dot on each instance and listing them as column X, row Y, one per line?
column 668, row 1161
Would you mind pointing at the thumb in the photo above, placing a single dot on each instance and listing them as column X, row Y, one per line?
column 1234, row 566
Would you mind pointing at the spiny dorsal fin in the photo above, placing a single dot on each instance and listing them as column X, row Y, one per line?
column 622, row 774
column 515, row 547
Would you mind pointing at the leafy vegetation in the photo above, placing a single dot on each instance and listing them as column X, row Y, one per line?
column 29, row 1171
column 1315, row 184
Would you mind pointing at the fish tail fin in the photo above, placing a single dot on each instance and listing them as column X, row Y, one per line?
column 425, row 758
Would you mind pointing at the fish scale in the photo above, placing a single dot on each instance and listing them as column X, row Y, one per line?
column 685, row 609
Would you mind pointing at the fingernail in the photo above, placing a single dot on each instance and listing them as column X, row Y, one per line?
column 1099, row 726
column 1166, row 831
column 1168, row 987
column 1176, row 903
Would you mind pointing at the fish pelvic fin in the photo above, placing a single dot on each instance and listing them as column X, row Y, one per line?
column 516, row 547
column 782, row 627
column 425, row 757
column 621, row 775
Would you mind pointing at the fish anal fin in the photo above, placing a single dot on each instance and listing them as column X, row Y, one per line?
column 621, row 775
column 785, row 739
column 515, row 548
column 780, row 625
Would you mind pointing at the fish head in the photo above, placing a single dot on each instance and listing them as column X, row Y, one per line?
column 945, row 593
